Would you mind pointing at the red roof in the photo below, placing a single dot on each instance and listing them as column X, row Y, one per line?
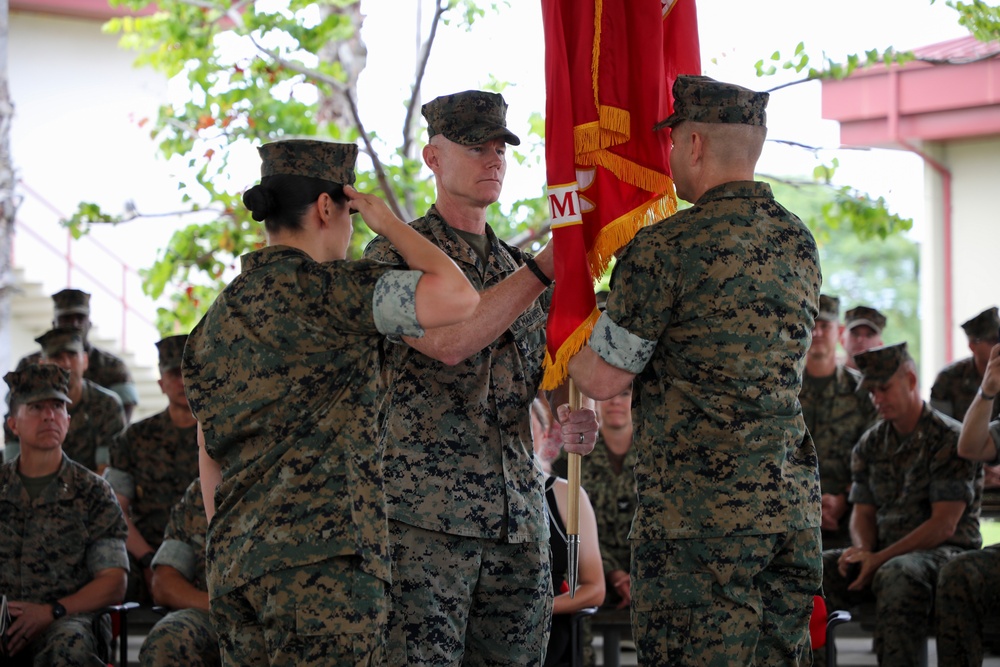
column 957, row 51
column 97, row 10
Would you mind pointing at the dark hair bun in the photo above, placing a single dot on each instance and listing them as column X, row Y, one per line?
column 259, row 201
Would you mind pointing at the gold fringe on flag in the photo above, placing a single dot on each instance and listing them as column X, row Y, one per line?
column 557, row 370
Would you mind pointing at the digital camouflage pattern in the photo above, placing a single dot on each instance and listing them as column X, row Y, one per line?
column 879, row 364
column 170, row 352
column 956, row 386
column 863, row 315
column 458, row 455
column 903, row 476
column 613, row 496
column 758, row 615
column 37, row 383
column 69, row 641
column 469, row 118
column 104, row 369
column 53, row 545
column 96, row 420
column 702, row 99
column 836, row 413
column 71, row 301
column 152, row 463
column 325, row 160
column 903, row 592
column 984, row 326
column 714, row 310
column 509, row 607
column 829, row 308
column 326, row 614
column 60, row 339
column 282, row 374
column 184, row 636
column 967, row 595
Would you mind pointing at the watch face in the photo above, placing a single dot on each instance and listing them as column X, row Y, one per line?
column 58, row 611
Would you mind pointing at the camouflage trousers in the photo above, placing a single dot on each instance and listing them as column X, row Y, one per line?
column 329, row 613
column 68, row 642
column 468, row 601
column 182, row 637
column 725, row 601
column 968, row 592
column 903, row 592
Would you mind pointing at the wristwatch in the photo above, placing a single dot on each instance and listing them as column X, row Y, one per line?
column 147, row 561
column 58, row 611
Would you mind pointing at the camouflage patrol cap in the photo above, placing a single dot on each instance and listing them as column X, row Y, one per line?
column 171, row 350
column 863, row 315
column 59, row 340
column 469, row 118
column 704, row 100
column 879, row 364
column 326, row 160
column 38, row 382
column 983, row 326
column 829, row 308
column 71, row 302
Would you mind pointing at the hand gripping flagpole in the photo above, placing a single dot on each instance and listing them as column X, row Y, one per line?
column 573, row 505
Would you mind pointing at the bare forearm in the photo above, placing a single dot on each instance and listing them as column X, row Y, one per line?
column 498, row 307
column 974, row 442
column 928, row 535
column 135, row 542
column 864, row 532
column 106, row 588
column 597, row 378
column 172, row 590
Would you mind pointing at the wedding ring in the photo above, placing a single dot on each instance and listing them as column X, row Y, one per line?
column 581, row 438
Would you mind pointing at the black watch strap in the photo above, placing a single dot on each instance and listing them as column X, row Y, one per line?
column 58, row 611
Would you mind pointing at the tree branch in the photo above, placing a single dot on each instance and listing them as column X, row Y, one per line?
column 425, row 54
column 339, row 88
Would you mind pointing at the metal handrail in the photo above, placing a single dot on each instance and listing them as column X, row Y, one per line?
column 71, row 266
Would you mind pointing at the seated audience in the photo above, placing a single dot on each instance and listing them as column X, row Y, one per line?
column 968, row 586
column 62, row 538
column 863, row 328
column 152, row 463
column 185, row 635
column 916, row 506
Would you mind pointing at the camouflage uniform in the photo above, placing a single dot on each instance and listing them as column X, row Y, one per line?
column 96, row 419
column 151, row 464
column 956, row 385
column 458, row 462
column 903, row 477
column 282, row 374
column 836, row 413
column 471, row 569
column 968, row 593
column 713, row 309
column 53, row 545
column 184, row 636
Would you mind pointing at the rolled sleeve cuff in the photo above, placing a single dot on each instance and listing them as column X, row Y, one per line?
column 861, row 494
column 394, row 304
column 178, row 555
column 618, row 347
column 105, row 553
column 121, row 482
column 127, row 392
column 951, row 490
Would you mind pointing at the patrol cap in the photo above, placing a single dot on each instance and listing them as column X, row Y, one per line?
column 71, row 302
column 983, row 326
column 469, row 118
column 863, row 315
column 38, row 382
column 171, row 350
column 704, row 100
column 879, row 364
column 60, row 339
column 326, row 160
column 829, row 308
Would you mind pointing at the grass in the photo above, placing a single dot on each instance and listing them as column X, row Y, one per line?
column 990, row 528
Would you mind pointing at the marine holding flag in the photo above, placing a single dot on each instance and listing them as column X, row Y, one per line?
column 471, row 580
column 709, row 317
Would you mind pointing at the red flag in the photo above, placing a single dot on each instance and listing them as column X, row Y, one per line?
column 609, row 68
